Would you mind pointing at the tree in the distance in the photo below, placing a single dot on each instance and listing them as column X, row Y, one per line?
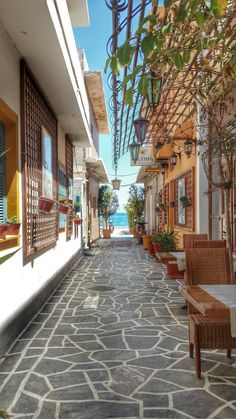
column 108, row 202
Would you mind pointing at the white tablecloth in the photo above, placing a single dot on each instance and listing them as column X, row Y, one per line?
column 181, row 260
column 225, row 294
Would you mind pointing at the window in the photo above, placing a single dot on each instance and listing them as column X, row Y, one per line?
column 46, row 164
column 184, row 187
column 181, row 192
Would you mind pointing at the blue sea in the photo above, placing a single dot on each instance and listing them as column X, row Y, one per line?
column 119, row 219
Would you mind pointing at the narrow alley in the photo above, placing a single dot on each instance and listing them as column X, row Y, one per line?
column 112, row 342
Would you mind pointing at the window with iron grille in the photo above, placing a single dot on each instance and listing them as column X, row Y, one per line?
column 184, row 187
column 69, row 185
column 40, row 230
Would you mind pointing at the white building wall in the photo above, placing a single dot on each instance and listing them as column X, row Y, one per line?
column 201, row 181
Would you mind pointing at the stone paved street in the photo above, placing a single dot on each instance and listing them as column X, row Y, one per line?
column 112, row 342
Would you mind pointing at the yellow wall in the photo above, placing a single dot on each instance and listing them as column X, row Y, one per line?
column 10, row 120
column 183, row 165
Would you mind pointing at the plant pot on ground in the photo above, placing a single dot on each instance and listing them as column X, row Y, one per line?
column 3, row 230
column 167, row 239
column 151, row 249
column 147, row 240
column 106, row 233
column 173, row 270
column 13, row 226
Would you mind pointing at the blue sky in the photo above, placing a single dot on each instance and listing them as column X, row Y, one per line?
column 93, row 40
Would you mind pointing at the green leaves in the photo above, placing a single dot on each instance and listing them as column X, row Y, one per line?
column 114, row 64
column 128, row 99
column 148, row 44
column 217, row 7
column 200, row 19
column 176, row 58
column 124, row 53
column 143, row 85
column 168, row 3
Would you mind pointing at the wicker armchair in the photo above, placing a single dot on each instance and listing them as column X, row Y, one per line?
column 208, row 266
column 208, row 243
column 188, row 238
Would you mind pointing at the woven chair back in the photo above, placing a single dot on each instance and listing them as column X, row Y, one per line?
column 208, row 266
column 208, row 243
column 188, row 238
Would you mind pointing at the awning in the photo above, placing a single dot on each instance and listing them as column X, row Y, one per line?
column 41, row 32
column 94, row 84
column 97, row 169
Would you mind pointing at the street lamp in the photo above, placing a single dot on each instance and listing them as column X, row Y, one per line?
column 116, row 184
column 140, row 126
column 188, row 147
column 163, row 168
column 134, row 151
column 154, row 89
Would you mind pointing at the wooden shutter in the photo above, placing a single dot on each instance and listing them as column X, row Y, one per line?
column 3, row 201
column 39, row 230
column 69, row 180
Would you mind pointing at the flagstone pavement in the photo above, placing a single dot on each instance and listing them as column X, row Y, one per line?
column 112, row 342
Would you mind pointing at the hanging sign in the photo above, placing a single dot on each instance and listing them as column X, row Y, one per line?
column 145, row 157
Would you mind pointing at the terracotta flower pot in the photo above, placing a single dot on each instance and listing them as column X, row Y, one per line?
column 63, row 208
column 3, row 230
column 157, row 247
column 13, row 229
column 172, row 270
column 106, row 233
column 77, row 221
column 147, row 239
column 151, row 249
column 45, row 204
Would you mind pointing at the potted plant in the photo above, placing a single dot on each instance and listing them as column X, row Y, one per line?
column 3, row 230
column 45, row 204
column 62, row 207
column 168, row 240
column 108, row 205
column 4, row 414
column 156, row 244
column 77, row 220
column 13, row 226
column 161, row 206
column 185, row 201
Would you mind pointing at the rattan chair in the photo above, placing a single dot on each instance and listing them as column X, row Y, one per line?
column 188, row 238
column 208, row 266
column 208, row 243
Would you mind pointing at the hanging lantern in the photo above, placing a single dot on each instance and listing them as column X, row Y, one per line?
column 188, row 147
column 134, row 151
column 140, row 126
column 163, row 168
column 173, row 158
column 154, row 89
column 158, row 146
column 116, row 184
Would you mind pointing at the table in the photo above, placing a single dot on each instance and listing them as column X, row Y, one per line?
column 205, row 303
column 213, row 301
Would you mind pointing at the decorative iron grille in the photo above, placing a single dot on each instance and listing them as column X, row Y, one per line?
column 39, row 230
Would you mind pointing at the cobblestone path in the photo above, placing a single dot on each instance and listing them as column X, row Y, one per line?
column 112, row 343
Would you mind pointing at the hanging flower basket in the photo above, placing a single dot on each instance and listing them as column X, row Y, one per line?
column 63, row 208
column 77, row 221
column 185, row 201
column 45, row 204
